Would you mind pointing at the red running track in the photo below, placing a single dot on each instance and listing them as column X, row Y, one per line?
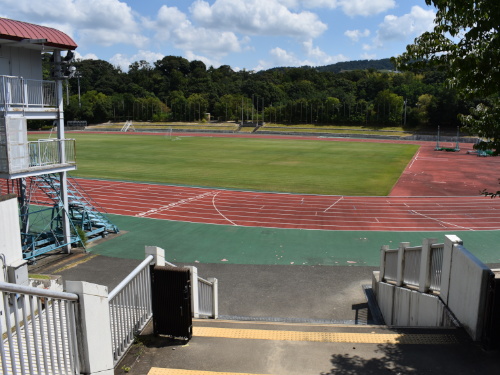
column 438, row 191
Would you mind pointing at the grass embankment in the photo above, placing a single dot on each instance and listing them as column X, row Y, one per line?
column 161, row 126
column 298, row 166
column 233, row 126
column 335, row 129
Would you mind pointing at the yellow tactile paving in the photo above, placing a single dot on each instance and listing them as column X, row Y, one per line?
column 173, row 371
column 361, row 338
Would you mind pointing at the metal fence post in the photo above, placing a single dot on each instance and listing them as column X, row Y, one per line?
column 194, row 292
column 215, row 297
column 93, row 328
column 383, row 250
column 425, row 265
column 158, row 254
column 401, row 256
column 450, row 241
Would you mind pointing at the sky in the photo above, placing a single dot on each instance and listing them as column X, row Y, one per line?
column 244, row 34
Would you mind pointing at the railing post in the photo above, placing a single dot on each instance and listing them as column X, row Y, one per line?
column 158, row 254
column 93, row 328
column 383, row 250
column 424, row 281
column 401, row 259
column 449, row 243
column 24, row 86
column 215, row 297
column 195, row 310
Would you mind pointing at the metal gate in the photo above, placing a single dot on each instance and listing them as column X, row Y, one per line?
column 491, row 332
column 171, row 289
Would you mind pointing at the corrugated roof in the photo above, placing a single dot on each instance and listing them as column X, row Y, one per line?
column 17, row 31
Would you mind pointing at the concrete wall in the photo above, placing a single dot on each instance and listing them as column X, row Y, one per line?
column 464, row 287
column 409, row 308
column 10, row 232
column 467, row 288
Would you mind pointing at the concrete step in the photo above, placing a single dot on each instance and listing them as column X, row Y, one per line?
column 236, row 347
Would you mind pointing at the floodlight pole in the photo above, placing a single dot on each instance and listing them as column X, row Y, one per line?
column 437, row 143
column 457, row 146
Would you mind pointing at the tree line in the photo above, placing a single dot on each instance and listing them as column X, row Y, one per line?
column 175, row 89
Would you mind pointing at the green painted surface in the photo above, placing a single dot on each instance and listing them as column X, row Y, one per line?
column 205, row 243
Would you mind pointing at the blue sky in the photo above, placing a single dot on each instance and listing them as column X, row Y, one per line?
column 245, row 34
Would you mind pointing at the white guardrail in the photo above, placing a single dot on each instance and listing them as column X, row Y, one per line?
column 130, row 308
column 17, row 91
column 38, row 331
column 45, row 152
column 413, row 266
column 130, row 305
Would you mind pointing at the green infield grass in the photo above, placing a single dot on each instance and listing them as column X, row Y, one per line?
column 296, row 166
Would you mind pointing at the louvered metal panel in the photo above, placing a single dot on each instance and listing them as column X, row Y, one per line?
column 171, row 288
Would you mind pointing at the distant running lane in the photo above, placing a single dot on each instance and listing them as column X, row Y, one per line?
column 255, row 209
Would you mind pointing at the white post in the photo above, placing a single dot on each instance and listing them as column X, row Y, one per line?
column 383, row 250
column 425, row 265
column 401, row 260
column 158, row 253
column 195, row 310
column 449, row 243
column 62, row 151
column 93, row 328
column 215, row 297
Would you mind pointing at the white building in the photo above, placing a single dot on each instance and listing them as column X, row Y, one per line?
column 25, row 96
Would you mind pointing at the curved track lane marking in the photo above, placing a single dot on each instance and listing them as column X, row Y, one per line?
column 220, row 213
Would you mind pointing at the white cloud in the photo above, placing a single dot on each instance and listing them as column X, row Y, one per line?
column 366, row 7
column 411, row 24
column 404, row 28
column 320, row 57
column 102, row 22
column 124, row 61
column 368, row 56
column 88, row 56
column 174, row 27
column 350, row 7
column 314, row 57
column 355, row 35
column 257, row 17
column 207, row 61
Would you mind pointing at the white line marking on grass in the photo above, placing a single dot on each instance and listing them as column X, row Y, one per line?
column 337, row 201
column 176, row 204
column 220, row 213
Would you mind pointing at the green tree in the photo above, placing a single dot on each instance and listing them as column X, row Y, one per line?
column 95, row 107
column 466, row 44
column 423, row 110
column 484, row 120
column 389, row 108
column 197, row 107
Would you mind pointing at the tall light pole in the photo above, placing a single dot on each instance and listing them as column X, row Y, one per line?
column 78, row 75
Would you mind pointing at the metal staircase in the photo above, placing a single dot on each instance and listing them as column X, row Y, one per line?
column 87, row 220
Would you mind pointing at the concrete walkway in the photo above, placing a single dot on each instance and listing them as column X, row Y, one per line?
column 273, row 296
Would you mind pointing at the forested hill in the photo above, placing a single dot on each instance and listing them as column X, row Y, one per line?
column 382, row 64
column 345, row 66
column 367, row 93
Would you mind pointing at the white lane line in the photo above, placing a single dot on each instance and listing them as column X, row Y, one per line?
column 439, row 221
column 220, row 213
column 337, row 201
column 414, row 159
column 176, row 204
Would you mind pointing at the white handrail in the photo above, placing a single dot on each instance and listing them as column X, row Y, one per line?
column 39, row 330
column 37, row 292
column 146, row 262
